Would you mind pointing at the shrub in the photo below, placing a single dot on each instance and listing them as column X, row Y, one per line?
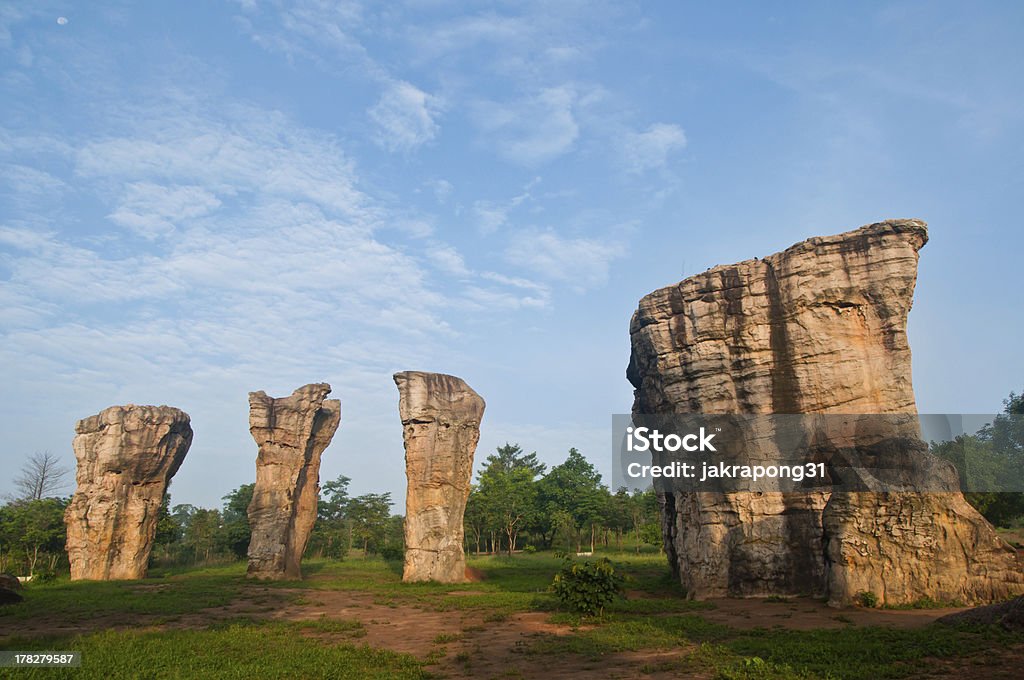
column 529, row 549
column 587, row 587
column 393, row 552
column 45, row 576
column 866, row 598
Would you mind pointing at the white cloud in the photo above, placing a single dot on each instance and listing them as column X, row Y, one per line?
column 465, row 32
column 152, row 210
column 650, row 149
column 243, row 150
column 404, row 117
column 581, row 262
column 491, row 215
column 311, row 30
column 529, row 293
column 442, row 189
column 447, row 259
column 532, row 130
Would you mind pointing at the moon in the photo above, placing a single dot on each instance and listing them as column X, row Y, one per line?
column 62, row 21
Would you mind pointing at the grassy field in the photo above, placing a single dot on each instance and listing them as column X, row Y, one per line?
column 214, row 623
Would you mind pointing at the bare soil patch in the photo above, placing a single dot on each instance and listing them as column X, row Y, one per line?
column 464, row 644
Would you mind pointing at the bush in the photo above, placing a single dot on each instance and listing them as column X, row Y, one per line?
column 866, row 599
column 587, row 587
column 393, row 552
column 529, row 549
column 45, row 576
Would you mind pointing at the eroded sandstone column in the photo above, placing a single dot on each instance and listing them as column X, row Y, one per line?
column 291, row 433
column 126, row 458
column 441, row 426
column 817, row 328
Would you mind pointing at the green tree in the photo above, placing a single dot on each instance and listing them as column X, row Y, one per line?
column 331, row 535
column 989, row 460
column 33, row 531
column 202, row 533
column 369, row 515
column 168, row 535
column 504, row 500
column 475, row 519
column 510, row 457
column 645, row 519
column 509, row 498
column 235, row 533
column 573, row 488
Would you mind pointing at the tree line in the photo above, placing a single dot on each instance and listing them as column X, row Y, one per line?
column 190, row 535
column 517, row 503
column 991, row 459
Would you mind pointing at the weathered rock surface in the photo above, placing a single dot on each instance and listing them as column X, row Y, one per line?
column 441, row 426
column 126, row 457
column 9, row 581
column 291, row 433
column 817, row 328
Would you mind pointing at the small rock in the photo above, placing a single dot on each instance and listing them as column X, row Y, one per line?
column 8, row 596
column 9, row 581
column 1009, row 615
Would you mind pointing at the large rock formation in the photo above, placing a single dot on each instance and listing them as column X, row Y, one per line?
column 441, row 426
column 126, row 457
column 818, row 328
column 291, row 433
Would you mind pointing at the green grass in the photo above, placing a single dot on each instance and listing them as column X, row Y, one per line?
column 849, row 653
column 75, row 601
column 863, row 653
column 244, row 651
column 657, row 617
column 926, row 603
column 515, row 584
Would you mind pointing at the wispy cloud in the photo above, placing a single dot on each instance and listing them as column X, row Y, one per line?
column 492, row 215
column 581, row 263
column 152, row 210
column 442, row 189
column 651, row 148
column 447, row 259
column 531, row 130
column 405, row 117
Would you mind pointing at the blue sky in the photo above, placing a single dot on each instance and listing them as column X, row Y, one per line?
column 198, row 200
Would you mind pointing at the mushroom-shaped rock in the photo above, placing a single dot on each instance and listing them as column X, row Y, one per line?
column 126, row 458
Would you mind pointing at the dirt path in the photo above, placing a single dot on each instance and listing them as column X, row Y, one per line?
column 472, row 644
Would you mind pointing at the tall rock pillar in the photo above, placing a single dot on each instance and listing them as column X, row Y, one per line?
column 441, row 426
column 819, row 328
column 291, row 433
column 126, row 457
